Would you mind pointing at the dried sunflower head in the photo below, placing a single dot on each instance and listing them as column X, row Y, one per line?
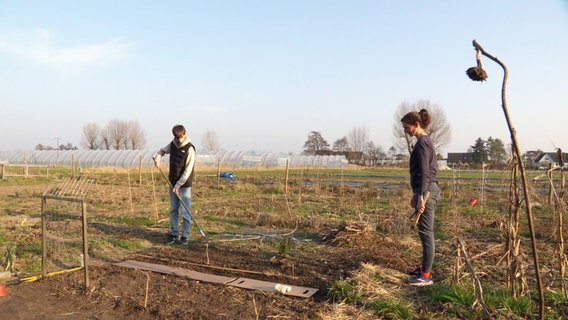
column 476, row 74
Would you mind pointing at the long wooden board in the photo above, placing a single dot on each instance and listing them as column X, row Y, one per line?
column 245, row 283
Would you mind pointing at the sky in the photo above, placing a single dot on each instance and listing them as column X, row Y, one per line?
column 262, row 74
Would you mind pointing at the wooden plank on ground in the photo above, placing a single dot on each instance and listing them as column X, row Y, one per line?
column 297, row 291
column 245, row 283
column 200, row 276
column 146, row 266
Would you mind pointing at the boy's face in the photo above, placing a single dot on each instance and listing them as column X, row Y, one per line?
column 180, row 138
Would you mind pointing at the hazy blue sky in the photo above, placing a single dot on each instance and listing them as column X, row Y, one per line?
column 263, row 74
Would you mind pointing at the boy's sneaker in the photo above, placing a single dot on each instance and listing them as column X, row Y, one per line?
column 171, row 240
column 421, row 281
column 416, row 272
column 184, row 241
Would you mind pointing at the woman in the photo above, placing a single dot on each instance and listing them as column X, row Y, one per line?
column 424, row 183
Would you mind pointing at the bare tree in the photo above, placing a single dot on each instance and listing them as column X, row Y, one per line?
column 341, row 144
column 402, row 141
column 105, row 140
column 392, row 152
column 374, row 153
column 210, row 141
column 136, row 136
column 439, row 129
column 91, row 138
column 116, row 133
column 358, row 138
column 315, row 143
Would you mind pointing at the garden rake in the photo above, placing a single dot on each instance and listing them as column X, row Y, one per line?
column 185, row 207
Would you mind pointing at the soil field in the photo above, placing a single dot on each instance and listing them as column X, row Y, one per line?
column 353, row 244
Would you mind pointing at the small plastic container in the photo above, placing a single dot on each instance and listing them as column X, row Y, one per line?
column 3, row 291
column 282, row 288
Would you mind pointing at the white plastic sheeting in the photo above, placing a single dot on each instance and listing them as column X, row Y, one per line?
column 135, row 158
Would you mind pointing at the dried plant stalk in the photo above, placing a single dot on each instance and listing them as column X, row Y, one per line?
column 517, row 152
column 479, row 289
column 515, row 278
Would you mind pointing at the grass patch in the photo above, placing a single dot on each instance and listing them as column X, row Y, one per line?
column 283, row 246
column 126, row 244
column 344, row 291
column 234, row 224
column 33, row 266
column 458, row 299
column 391, row 309
column 132, row 221
column 461, row 302
column 498, row 298
column 3, row 239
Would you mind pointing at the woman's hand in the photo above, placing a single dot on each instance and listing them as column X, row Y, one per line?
column 421, row 205
column 413, row 200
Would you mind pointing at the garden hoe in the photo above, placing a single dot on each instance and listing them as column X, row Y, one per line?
column 417, row 213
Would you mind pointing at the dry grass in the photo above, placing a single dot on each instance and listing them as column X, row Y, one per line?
column 352, row 233
column 344, row 311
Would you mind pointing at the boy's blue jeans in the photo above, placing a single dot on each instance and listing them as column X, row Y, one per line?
column 175, row 207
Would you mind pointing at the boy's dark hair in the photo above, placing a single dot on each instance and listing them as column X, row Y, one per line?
column 178, row 131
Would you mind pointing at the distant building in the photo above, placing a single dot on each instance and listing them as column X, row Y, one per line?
column 547, row 159
column 530, row 156
column 353, row 157
column 460, row 158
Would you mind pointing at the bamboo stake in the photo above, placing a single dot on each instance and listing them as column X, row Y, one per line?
column 218, row 172
column 550, row 183
column 140, row 171
column 130, row 194
column 154, row 201
column 85, row 245
column 286, row 180
column 147, row 286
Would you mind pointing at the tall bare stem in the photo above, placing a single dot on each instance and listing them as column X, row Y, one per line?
column 517, row 151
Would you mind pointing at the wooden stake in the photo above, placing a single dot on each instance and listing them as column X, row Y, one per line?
column 147, row 286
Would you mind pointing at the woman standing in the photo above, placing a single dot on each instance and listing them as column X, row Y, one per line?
column 424, row 183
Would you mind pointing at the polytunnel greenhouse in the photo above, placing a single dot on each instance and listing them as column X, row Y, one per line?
column 143, row 158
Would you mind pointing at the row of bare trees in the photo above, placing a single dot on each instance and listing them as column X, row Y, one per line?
column 116, row 135
column 358, row 138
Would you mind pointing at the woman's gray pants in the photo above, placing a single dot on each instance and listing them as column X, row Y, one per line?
column 426, row 227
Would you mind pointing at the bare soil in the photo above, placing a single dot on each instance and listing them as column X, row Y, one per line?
column 317, row 235
column 116, row 292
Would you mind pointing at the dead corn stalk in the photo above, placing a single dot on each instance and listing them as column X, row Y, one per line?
column 471, row 270
column 515, row 279
column 559, row 208
column 478, row 74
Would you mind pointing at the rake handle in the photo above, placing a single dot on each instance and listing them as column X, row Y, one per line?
column 184, row 206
